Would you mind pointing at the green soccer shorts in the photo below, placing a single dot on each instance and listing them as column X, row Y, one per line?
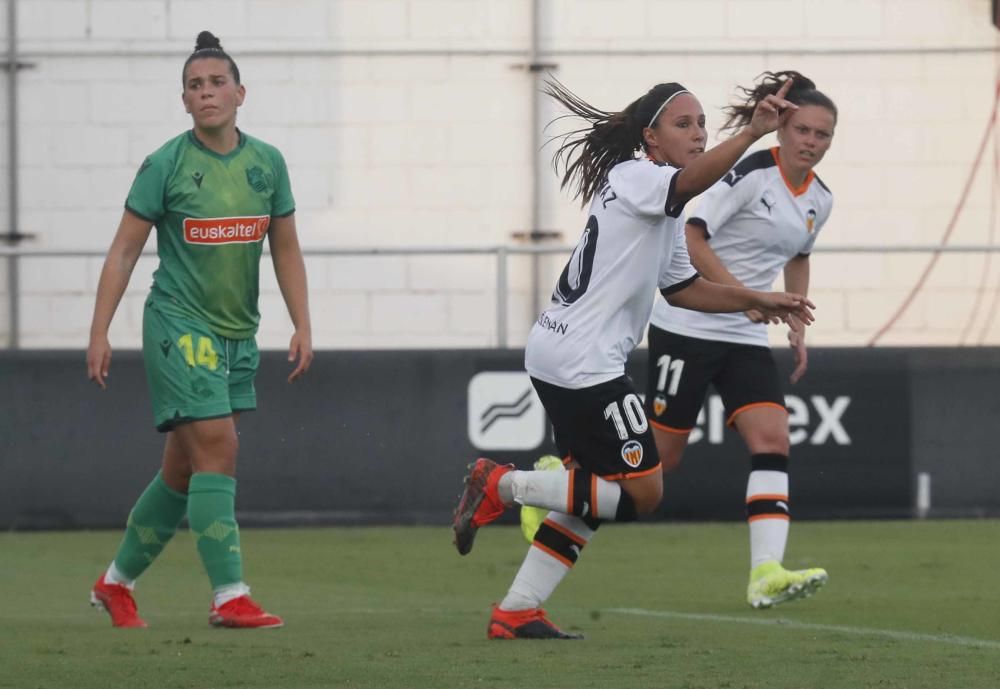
column 194, row 373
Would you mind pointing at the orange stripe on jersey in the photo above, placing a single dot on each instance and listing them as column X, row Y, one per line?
column 754, row 405
column 796, row 190
column 565, row 532
column 668, row 429
column 767, row 496
column 548, row 551
column 624, row 476
column 246, row 230
column 769, row 516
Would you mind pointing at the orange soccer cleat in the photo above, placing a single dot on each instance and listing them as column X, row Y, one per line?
column 480, row 503
column 243, row 613
column 118, row 602
column 524, row 624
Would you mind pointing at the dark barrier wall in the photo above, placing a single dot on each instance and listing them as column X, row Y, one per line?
column 384, row 437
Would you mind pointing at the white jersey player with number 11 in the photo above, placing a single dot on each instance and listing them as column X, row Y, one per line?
column 632, row 244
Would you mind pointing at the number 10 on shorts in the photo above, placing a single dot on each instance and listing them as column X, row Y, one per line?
column 633, row 412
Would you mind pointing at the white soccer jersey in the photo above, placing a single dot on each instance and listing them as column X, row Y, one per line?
column 756, row 222
column 634, row 242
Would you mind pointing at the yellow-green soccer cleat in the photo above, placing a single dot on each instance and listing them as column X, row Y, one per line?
column 770, row 584
column 532, row 517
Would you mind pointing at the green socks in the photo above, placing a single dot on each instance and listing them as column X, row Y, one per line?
column 212, row 516
column 151, row 524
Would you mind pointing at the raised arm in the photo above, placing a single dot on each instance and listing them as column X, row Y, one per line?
column 126, row 247
column 710, row 166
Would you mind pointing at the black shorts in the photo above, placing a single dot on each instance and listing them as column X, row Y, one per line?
column 603, row 428
column 680, row 369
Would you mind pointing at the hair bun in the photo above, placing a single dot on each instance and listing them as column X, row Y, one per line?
column 207, row 41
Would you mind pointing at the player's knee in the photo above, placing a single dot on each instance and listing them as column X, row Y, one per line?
column 769, row 440
column 649, row 498
column 669, row 459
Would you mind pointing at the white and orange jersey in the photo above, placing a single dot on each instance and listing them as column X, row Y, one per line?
column 756, row 221
column 633, row 243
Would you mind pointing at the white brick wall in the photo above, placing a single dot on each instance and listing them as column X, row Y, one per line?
column 388, row 147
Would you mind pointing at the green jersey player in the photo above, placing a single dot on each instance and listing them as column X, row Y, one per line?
column 213, row 194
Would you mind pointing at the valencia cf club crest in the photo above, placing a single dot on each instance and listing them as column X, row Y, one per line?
column 811, row 219
column 659, row 404
column 632, row 453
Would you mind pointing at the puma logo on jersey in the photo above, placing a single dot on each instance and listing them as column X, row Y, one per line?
column 732, row 177
column 766, row 205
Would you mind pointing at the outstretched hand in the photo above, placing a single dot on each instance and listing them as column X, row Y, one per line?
column 780, row 307
column 770, row 111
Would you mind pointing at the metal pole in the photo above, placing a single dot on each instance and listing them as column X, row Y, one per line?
column 502, row 297
column 534, row 138
column 14, row 316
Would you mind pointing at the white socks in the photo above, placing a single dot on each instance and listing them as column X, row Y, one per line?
column 769, row 522
column 542, row 570
column 553, row 490
column 224, row 594
column 115, row 576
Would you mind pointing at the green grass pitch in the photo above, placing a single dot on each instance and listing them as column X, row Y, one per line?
column 909, row 605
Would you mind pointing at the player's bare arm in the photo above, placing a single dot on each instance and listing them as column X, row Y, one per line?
column 797, row 280
column 290, row 270
column 711, row 297
column 126, row 247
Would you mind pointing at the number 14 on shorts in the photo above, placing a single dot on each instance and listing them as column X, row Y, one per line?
column 205, row 355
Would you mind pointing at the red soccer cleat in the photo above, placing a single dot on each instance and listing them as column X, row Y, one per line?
column 118, row 602
column 524, row 624
column 243, row 613
column 480, row 503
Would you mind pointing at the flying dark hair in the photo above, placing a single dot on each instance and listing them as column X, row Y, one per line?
column 207, row 45
column 609, row 138
column 803, row 92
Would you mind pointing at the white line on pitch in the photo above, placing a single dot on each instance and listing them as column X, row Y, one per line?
column 792, row 624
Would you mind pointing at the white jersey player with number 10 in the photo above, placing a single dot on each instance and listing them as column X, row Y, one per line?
column 633, row 244
column 633, row 241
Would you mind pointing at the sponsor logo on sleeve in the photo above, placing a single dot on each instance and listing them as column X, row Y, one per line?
column 226, row 230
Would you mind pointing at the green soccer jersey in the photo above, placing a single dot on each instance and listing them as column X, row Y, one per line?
column 211, row 214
